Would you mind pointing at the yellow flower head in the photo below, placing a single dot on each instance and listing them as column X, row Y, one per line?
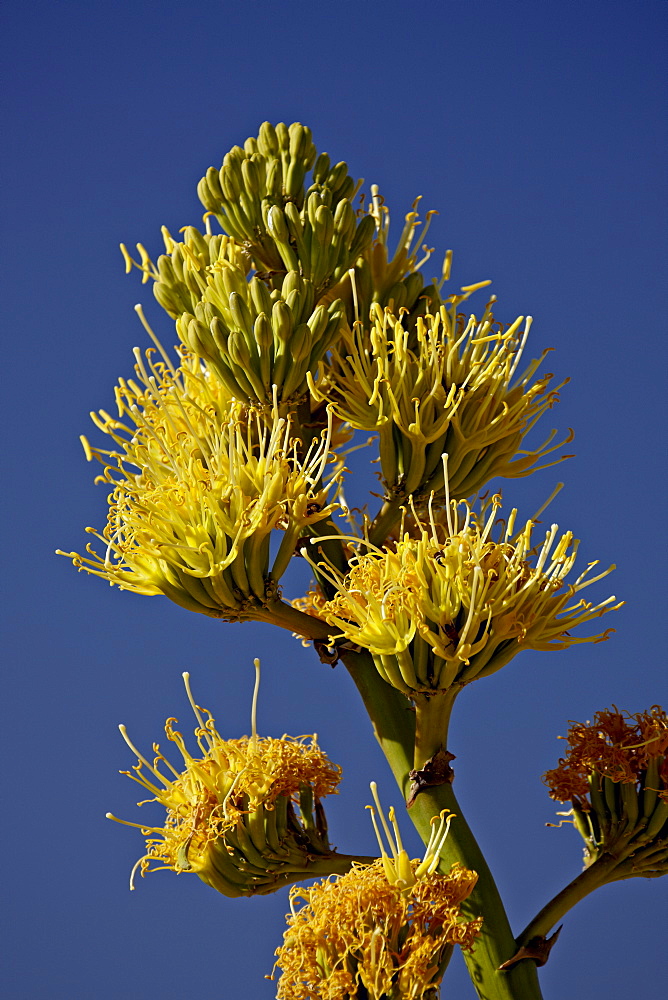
column 616, row 776
column 199, row 484
column 449, row 385
column 448, row 602
column 244, row 814
column 388, row 928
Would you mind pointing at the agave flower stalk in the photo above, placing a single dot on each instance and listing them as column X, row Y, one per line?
column 245, row 814
column 299, row 326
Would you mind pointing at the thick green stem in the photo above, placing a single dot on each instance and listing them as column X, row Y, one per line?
column 337, row 864
column 394, row 722
column 496, row 943
column 432, row 718
column 391, row 714
column 285, row 616
column 633, row 854
column 385, row 521
column 591, row 878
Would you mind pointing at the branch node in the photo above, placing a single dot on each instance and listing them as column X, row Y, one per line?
column 537, row 948
column 436, row 771
column 326, row 653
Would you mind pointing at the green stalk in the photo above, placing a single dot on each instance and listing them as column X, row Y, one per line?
column 432, row 716
column 496, row 943
column 337, row 864
column 593, row 877
column 391, row 715
column 386, row 520
column 394, row 722
column 285, row 616
column 622, row 860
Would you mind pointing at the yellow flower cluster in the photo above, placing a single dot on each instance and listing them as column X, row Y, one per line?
column 244, row 815
column 446, row 386
column 199, row 484
column 360, row 930
column 259, row 196
column 393, row 281
column 386, row 929
column 447, row 603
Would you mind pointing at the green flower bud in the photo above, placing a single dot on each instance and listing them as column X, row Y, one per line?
column 281, row 320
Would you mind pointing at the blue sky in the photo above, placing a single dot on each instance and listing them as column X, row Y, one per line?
column 537, row 131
